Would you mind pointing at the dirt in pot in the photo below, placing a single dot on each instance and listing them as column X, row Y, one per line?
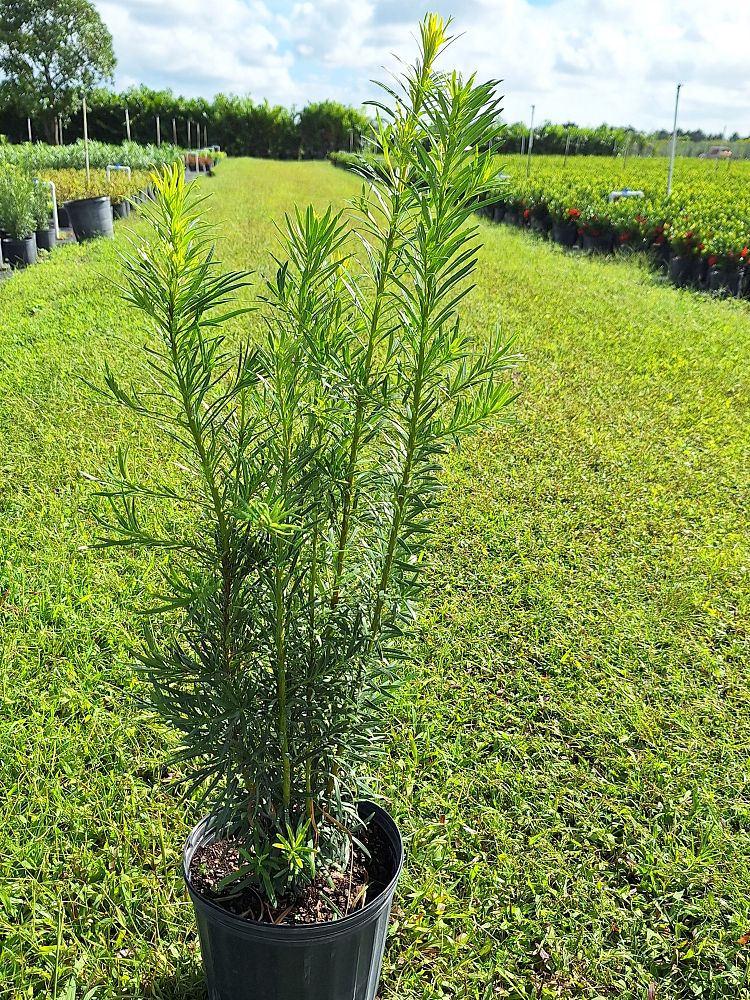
column 329, row 897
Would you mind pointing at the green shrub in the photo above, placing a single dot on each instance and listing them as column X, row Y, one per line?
column 42, row 205
column 295, row 543
column 17, row 202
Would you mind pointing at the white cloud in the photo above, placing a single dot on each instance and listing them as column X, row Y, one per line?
column 581, row 60
column 199, row 48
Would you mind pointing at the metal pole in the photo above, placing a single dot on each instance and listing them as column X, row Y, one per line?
column 205, row 136
column 86, row 142
column 567, row 147
column 28, row 126
column 56, row 220
column 158, row 131
column 188, row 142
column 531, row 141
column 674, row 142
column 127, row 123
column 174, row 131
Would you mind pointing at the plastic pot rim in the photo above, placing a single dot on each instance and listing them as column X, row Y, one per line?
column 87, row 201
column 299, row 934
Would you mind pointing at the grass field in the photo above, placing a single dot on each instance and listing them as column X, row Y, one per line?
column 570, row 757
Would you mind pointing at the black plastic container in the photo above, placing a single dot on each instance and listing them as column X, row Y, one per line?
column 540, row 226
column 564, row 233
column 121, row 210
column 720, row 280
column 46, row 239
column 498, row 212
column 19, row 253
column 90, row 218
column 337, row 960
column 597, row 244
column 683, row 270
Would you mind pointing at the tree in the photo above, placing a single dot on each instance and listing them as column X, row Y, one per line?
column 51, row 52
column 328, row 126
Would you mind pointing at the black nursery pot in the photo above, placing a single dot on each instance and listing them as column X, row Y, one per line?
column 336, row 960
column 121, row 210
column 90, row 218
column 19, row 253
column 498, row 212
column 597, row 244
column 564, row 233
column 720, row 280
column 46, row 239
column 540, row 226
column 683, row 270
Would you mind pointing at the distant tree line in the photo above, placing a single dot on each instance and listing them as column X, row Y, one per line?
column 608, row 140
column 244, row 127
column 239, row 125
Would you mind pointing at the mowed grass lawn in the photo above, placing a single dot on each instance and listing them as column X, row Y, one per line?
column 569, row 756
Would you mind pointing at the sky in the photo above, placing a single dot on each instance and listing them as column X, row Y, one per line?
column 587, row 61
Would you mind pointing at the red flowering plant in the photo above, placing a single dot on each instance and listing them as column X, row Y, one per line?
column 684, row 241
column 626, row 221
column 562, row 205
column 596, row 218
column 727, row 249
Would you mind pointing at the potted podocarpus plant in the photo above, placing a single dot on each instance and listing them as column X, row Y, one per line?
column 17, row 216
column 306, row 485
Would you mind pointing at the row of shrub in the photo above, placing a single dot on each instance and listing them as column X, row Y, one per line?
column 707, row 215
column 40, row 156
column 371, row 164
column 71, row 185
column 705, row 219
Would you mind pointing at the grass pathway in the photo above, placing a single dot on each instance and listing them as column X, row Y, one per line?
column 569, row 757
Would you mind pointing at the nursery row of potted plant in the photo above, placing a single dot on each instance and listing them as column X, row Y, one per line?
column 722, row 265
column 701, row 233
column 36, row 156
column 89, row 208
column 202, row 160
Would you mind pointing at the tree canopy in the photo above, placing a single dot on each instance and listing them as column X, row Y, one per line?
column 51, row 52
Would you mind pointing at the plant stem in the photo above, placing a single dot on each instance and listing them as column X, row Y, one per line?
column 348, row 492
column 401, row 493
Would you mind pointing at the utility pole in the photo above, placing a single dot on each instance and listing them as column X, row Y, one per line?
column 531, row 141
column 674, row 142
